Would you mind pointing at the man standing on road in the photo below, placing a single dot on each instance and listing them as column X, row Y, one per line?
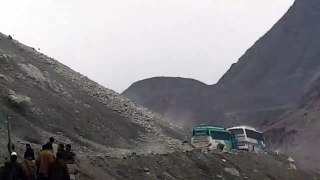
column 29, row 152
column 58, row 169
column 71, row 163
column 28, row 165
column 45, row 158
column 54, row 146
column 12, row 170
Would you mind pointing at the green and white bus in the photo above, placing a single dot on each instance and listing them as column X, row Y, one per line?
column 208, row 137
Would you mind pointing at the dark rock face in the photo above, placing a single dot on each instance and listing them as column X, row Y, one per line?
column 165, row 95
column 275, row 71
column 269, row 87
column 283, row 63
column 297, row 131
column 163, row 86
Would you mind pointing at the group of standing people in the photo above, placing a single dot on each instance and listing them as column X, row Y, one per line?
column 54, row 162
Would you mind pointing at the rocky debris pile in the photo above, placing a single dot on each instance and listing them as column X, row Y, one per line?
column 6, row 78
column 138, row 114
column 189, row 165
column 33, row 72
column 289, row 162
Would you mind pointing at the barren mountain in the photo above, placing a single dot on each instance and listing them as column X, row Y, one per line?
column 167, row 96
column 269, row 87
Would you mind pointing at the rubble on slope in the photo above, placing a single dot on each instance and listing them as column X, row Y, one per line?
column 190, row 165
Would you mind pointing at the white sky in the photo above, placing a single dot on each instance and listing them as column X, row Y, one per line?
column 117, row 42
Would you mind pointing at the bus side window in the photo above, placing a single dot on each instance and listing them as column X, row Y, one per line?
column 193, row 132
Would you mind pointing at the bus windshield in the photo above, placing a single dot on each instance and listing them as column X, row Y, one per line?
column 201, row 132
column 237, row 131
column 254, row 135
column 220, row 135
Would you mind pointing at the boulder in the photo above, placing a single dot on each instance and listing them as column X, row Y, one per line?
column 20, row 102
column 232, row 171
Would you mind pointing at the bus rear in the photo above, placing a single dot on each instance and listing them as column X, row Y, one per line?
column 208, row 137
column 223, row 137
column 255, row 139
column 201, row 138
column 248, row 138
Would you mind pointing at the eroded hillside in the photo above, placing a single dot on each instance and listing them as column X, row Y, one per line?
column 45, row 98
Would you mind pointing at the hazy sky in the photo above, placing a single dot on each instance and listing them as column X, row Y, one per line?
column 117, row 42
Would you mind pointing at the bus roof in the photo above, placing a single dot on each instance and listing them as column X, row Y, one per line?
column 211, row 127
column 244, row 127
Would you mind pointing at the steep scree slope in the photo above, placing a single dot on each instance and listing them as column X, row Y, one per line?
column 46, row 97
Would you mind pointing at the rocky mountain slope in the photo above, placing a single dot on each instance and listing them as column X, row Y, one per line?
column 269, row 87
column 297, row 130
column 45, row 98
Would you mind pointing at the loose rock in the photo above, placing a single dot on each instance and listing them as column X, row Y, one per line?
column 232, row 171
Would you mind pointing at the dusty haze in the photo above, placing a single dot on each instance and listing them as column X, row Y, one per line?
column 119, row 42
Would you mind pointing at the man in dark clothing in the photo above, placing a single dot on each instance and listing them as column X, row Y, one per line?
column 29, row 152
column 12, row 170
column 29, row 169
column 220, row 146
column 28, row 165
column 70, row 156
column 1, row 169
column 62, row 151
column 61, row 147
column 71, row 164
column 53, row 146
column 58, row 169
